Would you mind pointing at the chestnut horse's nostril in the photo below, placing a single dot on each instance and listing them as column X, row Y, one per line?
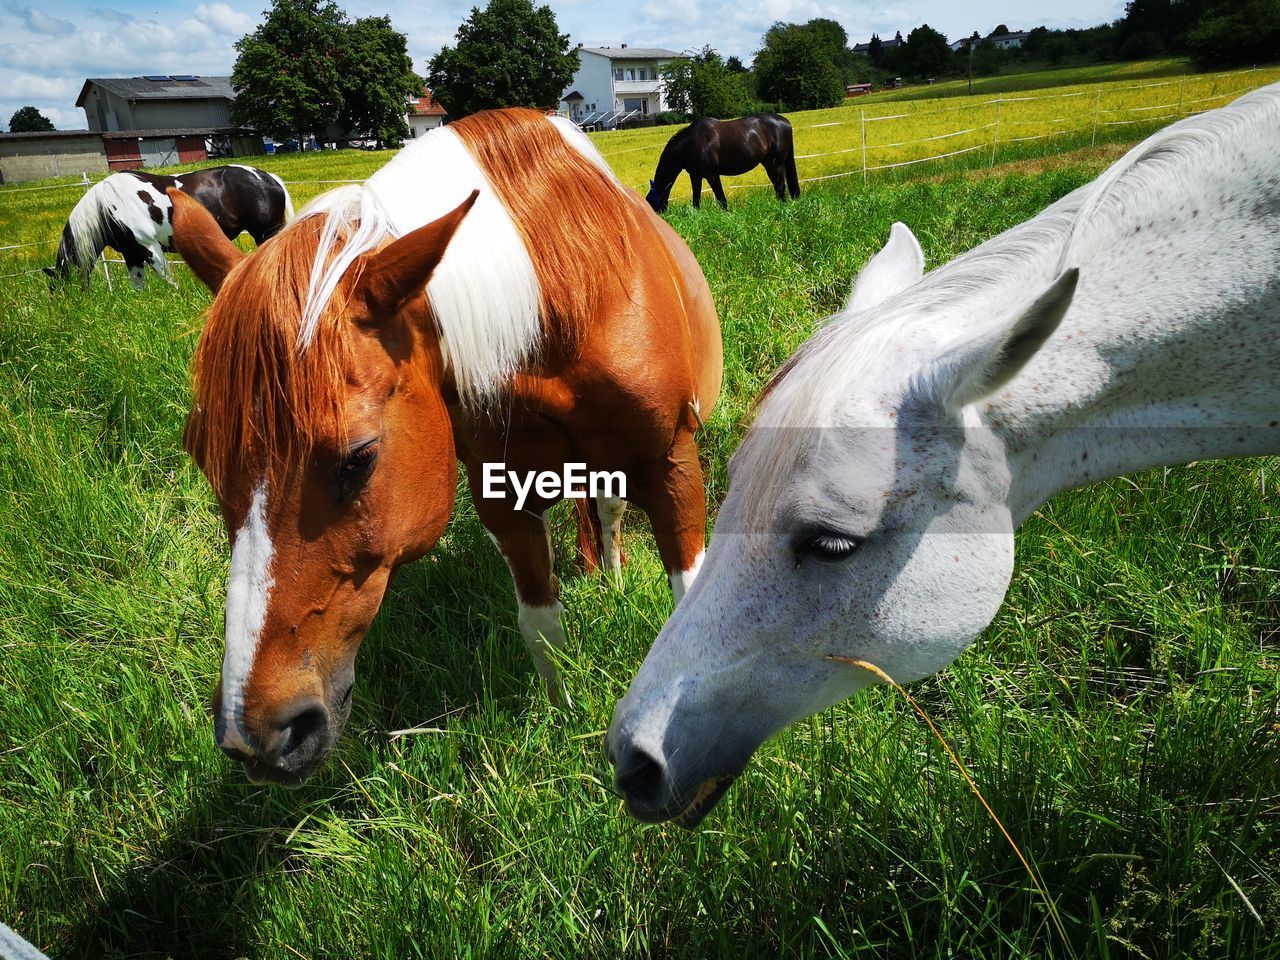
column 303, row 726
column 641, row 779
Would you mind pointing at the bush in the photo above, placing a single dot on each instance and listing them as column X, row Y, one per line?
column 670, row 118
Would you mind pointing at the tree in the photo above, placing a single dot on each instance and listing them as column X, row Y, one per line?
column 29, row 120
column 796, row 70
column 288, row 72
column 377, row 79
column 703, row 86
column 1234, row 33
column 510, row 54
column 734, row 64
column 875, row 49
column 308, row 67
column 987, row 59
column 925, row 52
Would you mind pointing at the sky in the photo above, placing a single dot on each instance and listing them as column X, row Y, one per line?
column 49, row 48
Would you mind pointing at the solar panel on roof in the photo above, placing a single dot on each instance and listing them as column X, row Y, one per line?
column 157, row 79
column 183, row 76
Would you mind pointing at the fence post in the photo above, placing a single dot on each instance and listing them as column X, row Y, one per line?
column 864, row 146
column 995, row 136
column 1097, row 104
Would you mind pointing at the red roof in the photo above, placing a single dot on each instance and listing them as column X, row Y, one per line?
column 426, row 106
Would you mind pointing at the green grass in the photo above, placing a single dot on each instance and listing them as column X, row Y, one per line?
column 1122, row 714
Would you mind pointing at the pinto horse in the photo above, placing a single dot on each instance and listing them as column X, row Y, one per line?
column 708, row 148
column 871, row 514
column 444, row 308
column 131, row 212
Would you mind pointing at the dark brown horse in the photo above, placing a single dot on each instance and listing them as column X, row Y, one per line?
column 708, row 148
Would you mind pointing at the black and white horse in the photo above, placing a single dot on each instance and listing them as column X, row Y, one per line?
column 131, row 212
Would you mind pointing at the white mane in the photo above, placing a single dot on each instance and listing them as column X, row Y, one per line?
column 484, row 294
column 89, row 216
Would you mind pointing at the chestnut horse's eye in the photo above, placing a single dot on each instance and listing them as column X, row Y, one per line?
column 826, row 546
column 355, row 468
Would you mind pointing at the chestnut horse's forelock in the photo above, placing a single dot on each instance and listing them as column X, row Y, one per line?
column 254, row 390
column 264, row 395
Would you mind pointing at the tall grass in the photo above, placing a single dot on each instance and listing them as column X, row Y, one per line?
column 1122, row 715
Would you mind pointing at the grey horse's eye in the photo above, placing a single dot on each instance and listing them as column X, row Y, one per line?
column 825, row 546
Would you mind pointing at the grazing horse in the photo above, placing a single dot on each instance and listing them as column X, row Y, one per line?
column 131, row 212
column 873, row 504
column 708, row 148
column 443, row 308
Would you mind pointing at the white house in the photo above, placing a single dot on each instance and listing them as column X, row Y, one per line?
column 1009, row 41
column 424, row 113
column 616, row 83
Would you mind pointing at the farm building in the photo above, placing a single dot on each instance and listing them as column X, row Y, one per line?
column 424, row 113
column 865, row 48
column 156, row 102
column 134, row 122
column 52, row 153
column 615, row 86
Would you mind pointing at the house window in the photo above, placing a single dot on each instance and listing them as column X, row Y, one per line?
column 617, row 74
column 631, row 74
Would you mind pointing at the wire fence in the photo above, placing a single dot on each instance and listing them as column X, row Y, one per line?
column 884, row 142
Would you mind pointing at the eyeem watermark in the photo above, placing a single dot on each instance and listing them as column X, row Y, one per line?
column 575, row 480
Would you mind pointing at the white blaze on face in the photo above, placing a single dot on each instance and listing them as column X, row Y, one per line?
column 248, row 592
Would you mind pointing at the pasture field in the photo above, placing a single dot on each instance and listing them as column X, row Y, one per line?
column 962, row 131
column 1122, row 714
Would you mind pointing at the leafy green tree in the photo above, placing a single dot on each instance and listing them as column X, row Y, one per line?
column 734, row 64
column 308, row 67
column 795, row 71
column 377, row 79
column 288, row 72
column 987, row 59
column 925, row 52
column 29, row 120
column 1235, row 33
column 510, row 54
column 704, row 86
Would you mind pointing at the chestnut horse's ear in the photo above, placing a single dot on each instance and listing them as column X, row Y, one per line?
column 200, row 241
column 401, row 269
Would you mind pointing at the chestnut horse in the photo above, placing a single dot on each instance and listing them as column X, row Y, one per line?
column 562, row 322
column 708, row 148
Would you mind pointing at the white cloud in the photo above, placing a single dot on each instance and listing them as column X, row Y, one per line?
column 225, row 20
column 39, row 22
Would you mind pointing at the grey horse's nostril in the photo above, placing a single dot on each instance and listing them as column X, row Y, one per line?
column 640, row 778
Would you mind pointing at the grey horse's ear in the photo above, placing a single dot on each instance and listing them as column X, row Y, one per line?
column 983, row 364
column 897, row 266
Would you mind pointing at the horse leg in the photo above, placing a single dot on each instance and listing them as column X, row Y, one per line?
column 714, row 180
column 793, row 178
column 695, row 181
column 671, row 492
column 524, row 541
column 777, row 178
column 611, row 510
